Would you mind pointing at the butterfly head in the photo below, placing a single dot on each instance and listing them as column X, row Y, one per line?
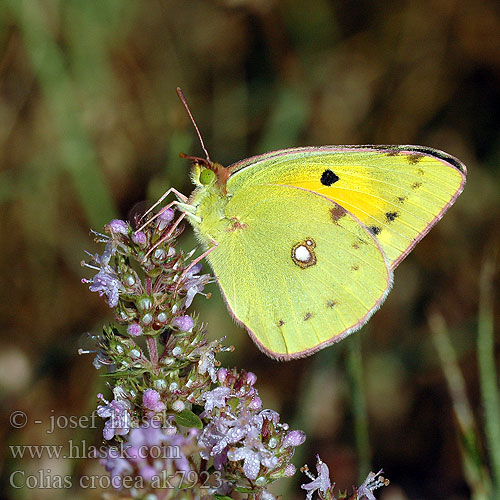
column 207, row 173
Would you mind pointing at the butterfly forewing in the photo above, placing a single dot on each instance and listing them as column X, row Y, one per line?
column 397, row 192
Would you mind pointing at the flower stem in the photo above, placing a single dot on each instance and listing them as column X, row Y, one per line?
column 475, row 472
column 355, row 368
column 148, row 285
column 487, row 369
column 153, row 351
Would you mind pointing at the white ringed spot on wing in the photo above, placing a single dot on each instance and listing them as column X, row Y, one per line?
column 303, row 254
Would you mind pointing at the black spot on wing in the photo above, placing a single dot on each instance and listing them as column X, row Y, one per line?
column 390, row 216
column 328, row 178
column 414, row 158
column 441, row 155
column 374, row 230
column 402, row 199
column 416, row 185
column 355, row 267
column 331, row 304
column 307, row 316
column 280, row 323
column 357, row 244
column 393, row 152
column 336, row 213
column 413, row 150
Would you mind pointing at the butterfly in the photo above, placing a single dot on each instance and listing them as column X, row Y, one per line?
column 304, row 241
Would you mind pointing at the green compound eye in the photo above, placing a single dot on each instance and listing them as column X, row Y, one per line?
column 207, row 176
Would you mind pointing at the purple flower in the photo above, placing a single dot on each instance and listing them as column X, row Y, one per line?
column 117, row 226
column 255, row 403
column 151, row 436
column 105, row 281
column 117, row 413
column 151, row 400
column 220, row 460
column 216, row 398
column 253, row 454
column 148, row 452
column 116, row 466
column 222, row 374
column 321, row 483
column 107, row 284
column 147, row 436
column 251, row 462
column 206, row 364
column 184, row 323
column 371, row 483
column 223, row 431
column 148, row 472
column 194, row 284
column 101, row 359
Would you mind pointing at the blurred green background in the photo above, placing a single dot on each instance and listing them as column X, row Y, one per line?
column 90, row 124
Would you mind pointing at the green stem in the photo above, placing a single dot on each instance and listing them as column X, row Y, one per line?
column 474, row 469
column 153, row 351
column 355, row 369
column 487, row 371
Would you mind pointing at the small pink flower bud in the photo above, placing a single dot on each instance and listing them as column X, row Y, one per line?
column 293, row 438
column 139, row 238
column 118, row 226
column 167, row 215
column 289, row 470
column 256, row 403
column 150, row 399
column 184, row 323
column 178, row 405
column 134, row 330
column 222, row 375
column 251, row 378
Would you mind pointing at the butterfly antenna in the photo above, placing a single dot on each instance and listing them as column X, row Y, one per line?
column 183, row 100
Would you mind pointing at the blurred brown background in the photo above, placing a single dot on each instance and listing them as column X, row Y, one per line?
column 90, row 125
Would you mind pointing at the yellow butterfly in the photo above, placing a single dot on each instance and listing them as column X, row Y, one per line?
column 303, row 241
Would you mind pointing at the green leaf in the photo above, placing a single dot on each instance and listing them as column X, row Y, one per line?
column 222, row 497
column 233, row 403
column 187, row 418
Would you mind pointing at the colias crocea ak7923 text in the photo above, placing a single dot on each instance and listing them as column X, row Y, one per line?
column 304, row 241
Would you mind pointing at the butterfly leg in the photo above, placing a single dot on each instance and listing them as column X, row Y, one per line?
column 202, row 256
column 156, row 215
column 167, row 235
column 179, row 195
column 195, row 261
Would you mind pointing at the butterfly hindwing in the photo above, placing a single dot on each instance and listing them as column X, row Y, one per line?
column 397, row 192
column 296, row 269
